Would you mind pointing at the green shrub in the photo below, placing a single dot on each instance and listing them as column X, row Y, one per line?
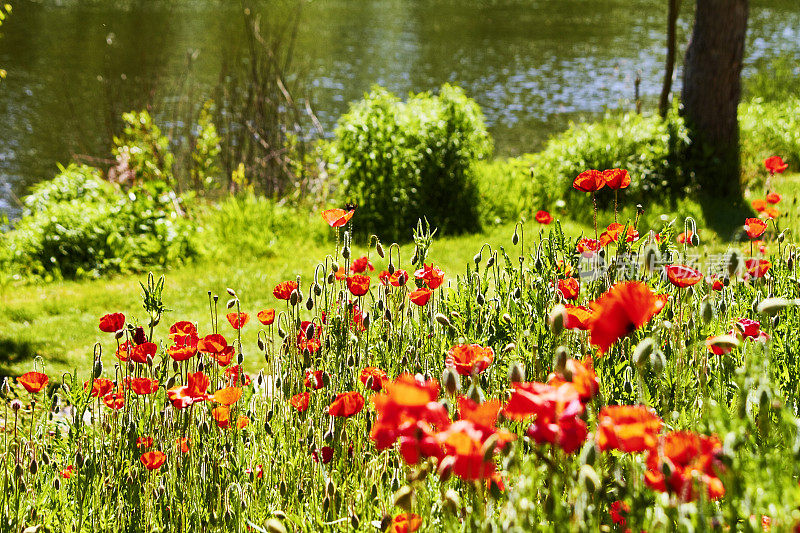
column 77, row 225
column 402, row 161
column 767, row 129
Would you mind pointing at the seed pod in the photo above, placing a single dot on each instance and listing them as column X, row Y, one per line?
column 450, row 381
column 516, row 373
column 404, row 498
column 641, row 355
column 556, row 319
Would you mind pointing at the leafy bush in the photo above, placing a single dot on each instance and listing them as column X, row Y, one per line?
column 77, row 225
column 649, row 148
column 402, row 161
column 767, row 129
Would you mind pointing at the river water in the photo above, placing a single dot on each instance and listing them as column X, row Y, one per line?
column 533, row 65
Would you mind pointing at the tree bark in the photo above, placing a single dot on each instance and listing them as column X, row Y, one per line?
column 711, row 93
column 673, row 9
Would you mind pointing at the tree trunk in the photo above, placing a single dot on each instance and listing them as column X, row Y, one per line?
column 711, row 93
column 669, row 67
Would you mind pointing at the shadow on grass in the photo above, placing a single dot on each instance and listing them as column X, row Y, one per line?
column 724, row 216
column 14, row 352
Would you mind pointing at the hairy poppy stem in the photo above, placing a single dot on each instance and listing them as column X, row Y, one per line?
column 594, row 204
column 615, row 204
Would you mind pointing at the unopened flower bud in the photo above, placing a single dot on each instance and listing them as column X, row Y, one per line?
column 450, row 381
column 404, row 498
column 516, row 373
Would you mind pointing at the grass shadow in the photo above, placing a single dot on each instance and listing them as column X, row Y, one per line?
column 724, row 216
column 15, row 352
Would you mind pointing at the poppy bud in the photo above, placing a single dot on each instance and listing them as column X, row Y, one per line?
column 331, row 278
column 480, row 300
column 651, row 257
column 589, row 453
column 451, row 501
column 57, row 484
column 771, row 306
column 240, row 358
column 171, row 382
column 201, row 366
column 516, row 373
column 281, row 333
column 477, row 259
column 387, row 315
column 6, row 388
column 450, row 381
column 488, row 447
column 98, row 368
column 273, row 525
column 119, row 334
column 589, row 478
column 734, row 262
column 79, row 462
column 310, row 303
column 415, row 257
column 723, row 306
column 641, row 354
column 33, row 467
column 475, row 393
column 404, row 498
column 706, row 311
column 556, row 319
column 776, row 320
column 657, row 361
column 441, row 319
column 517, row 293
column 231, row 303
column 666, row 469
column 695, row 239
column 294, row 297
column 754, row 304
column 560, row 361
column 515, row 237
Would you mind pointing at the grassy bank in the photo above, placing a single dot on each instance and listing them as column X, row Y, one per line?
column 251, row 249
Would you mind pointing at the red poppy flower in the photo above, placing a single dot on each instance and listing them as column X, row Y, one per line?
column 773, row 198
column 266, row 317
column 616, row 178
column 749, row 328
column 242, row 422
column 140, row 353
column 300, row 401
column 405, row 402
column 358, row 284
column 315, row 342
column 234, row 374
column 112, row 322
column 33, row 381
column 577, row 317
column 100, row 387
column 686, row 238
column 469, row 358
column 683, row 276
column 397, row 279
column 228, row 395
column 462, row 444
column 337, row 218
column 628, row 428
column 143, row 386
column 66, row 473
column 123, row 351
column 237, row 320
column 759, row 205
column 543, row 217
column 114, row 400
column 346, row 404
column 323, row 455
column 589, row 181
column 313, row 379
column 185, row 348
column 755, row 227
column 361, row 265
column 153, row 460
column 378, row 377
column 715, row 283
column 222, row 416
column 194, row 391
column 431, row 276
column 182, row 328
column 756, row 268
column 721, row 344
column 405, row 523
column 224, row 357
column 771, row 213
column 420, row 296
column 618, row 510
column 212, row 344
column 690, row 459
column 582, row 377
column 619, row 311
column 587, row 247
column 614, row 232
column 284, row 289
column 569, row 288
column 182, row 444
column 775, row 165
column 144, row 442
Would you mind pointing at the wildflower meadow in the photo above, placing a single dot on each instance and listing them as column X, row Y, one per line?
column 602, row 382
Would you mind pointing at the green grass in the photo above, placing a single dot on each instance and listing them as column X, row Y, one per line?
column 252, row 251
